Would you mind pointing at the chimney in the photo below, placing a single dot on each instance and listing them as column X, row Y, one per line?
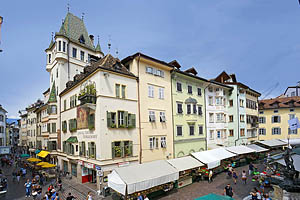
column 92, row 38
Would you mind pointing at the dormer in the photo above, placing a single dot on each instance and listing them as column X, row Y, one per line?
column 275, row 104
column 290, row 103
column 191, row 71
column 175, row 64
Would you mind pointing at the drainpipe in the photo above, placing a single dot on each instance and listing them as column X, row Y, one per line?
column 238, row 118
column 173, row 114
column 139, row 109
column 206, row 144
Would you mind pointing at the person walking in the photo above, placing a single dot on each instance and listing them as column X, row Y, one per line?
column 140, row 197
column 251, row 168
column 228, row 191
column 89, row 196
column 18, row 176
column 28, row 188
column 244, row 177
column 70, row 197
column 210, row 175
column 145, row 197
column 234, row 176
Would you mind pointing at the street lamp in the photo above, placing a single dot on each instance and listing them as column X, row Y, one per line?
column 1, row 21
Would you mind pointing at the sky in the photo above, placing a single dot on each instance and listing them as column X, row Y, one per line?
column 257, row 40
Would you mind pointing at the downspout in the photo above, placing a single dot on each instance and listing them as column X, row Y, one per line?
column 206, row 143
column 238, row 117
column 173, row 114
column 139, row 109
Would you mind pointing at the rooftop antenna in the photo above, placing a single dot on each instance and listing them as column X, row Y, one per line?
column 52, row 36
column 68, row 7
column 109, row 43
column 82, row 16
column 117, row 52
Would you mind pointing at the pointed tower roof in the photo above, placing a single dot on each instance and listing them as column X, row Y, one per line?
column 73, row 27
column 50, row 45
column 52, row 97
column 98, row 48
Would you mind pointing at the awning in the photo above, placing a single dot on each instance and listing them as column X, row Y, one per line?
column 185, row 163
column 48, row 165
column 24, row 155
column 142, row 176
column 43, row 154
column 296, row 159
column 37, row 151
column 42, row 163
column 72, row 139
column 33, row 160
column 241, row 149
column 214, row 197
column 293, row 142
column 257, row 148
column 273, row 143
column 213, row 157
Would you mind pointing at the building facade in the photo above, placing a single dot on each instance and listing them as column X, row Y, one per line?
column 188, row 112
column 2, row 126
column 274, row 115
column 23, row 129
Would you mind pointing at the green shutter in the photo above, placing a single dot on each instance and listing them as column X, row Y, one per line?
column 65, row 104
column 80, row 149
column 113, row 150
column 130, row 148
column 133, row 120
column 108, row 119
column 89, row 149
column 122, row 149
column 126, row 119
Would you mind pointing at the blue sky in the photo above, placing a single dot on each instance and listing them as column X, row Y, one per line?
column 257, row 40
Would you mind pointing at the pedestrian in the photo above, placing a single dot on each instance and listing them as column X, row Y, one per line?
column 234, row 176
column 251, row 168
column 57, row 196
column 228, row 191
column 14, row 176
column 28, row 188
column 70, row 197
column 244, row 177
column 89, row 196
column 253, row 195
column 257, row 193
column 140, row 197
column 145, row 197
column 210, row 175
column 267, row 197
column 24, row 172
column 18, row 176
column 53, row 194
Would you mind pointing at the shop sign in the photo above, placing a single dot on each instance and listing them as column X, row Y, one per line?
column 89, row 165
column 80, row 162
column 98, row 167
column 123, row 164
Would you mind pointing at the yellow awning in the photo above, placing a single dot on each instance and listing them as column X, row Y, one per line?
column 33, row 159
column 42, row 163
column 43, row 154
column 48, row 165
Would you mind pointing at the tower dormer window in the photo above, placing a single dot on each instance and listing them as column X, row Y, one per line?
column 74, row 53
column 49, row 58
column 59, row 45
column 81, row 39
column 64, row 46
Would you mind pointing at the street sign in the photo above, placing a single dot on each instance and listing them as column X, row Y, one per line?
column 294, row 123
column 98, row 167
column 99, row 173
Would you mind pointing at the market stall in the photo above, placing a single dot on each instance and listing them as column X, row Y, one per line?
column 188, row 168
column 260, row 152
column 294, row 142
column 242, row 154
column 145, row 178
column 275, row 145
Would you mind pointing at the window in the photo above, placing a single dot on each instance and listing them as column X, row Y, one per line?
column 210, row 100
column 242, row 132
column 128, row 148
column 219, row 117
column 199, row 91
column 72, row 125
column 74, row 53
column 241, row 103
column 179, row 130
column 210, row 89
column 251, row 104
column 230, row 118
column 211, row 117
column 121, row 121
column 1, row 118
column 190, row 89
column 59, row 45
column 179, row 108
column 276, row 119
column 1, row 129
column 53, row 127
column 194, row 109
column 152, row 142
column 218, row 101
column 123, row 91
column 200, row 128
column 262, row 120
column 261, row 112
column 64, row 126
column 275, row 111
column 64, row 46
column 49, row 58
column 163, row 142
column 179, row 87
column 291, row 116
column 151, row 116
column 162, row 116
column 211, row 134
column 242, row 118
column 65, row 104
column 192, row 129
column 150, row 91
column 276, row 131
column 262, row 131
column 199, row 110
column 188, row 109
column 218, row 134
column 292, row 110
column 159, row 73
column 231, row 133
column 92, row 149
column 231, row 103
column 161, row 93
column 149, row 70
column 117, row 88
column 82, row 55
column 73, row 101
column 292, row 131
column 293, row 94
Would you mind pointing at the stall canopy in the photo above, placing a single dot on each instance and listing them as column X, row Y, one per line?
column 257, row 148
column 273, row 143
column 241, row 149
column 43, row 154
column 213, row 157
column 213, row 196
column 185, row 163
column 293, row 142
column 296, row 159
column 141, row 176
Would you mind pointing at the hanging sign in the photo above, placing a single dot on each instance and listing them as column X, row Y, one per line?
column 294, row 123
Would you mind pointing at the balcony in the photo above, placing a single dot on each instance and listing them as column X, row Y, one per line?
column 88, row 94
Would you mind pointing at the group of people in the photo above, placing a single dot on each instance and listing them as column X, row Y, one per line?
column 142, row 197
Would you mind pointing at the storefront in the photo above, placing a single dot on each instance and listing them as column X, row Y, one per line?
column 74, row 169
column 88, row 173
column 65, row 166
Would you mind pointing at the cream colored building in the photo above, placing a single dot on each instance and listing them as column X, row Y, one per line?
column 99, row 121
column 155, row 106
column 252, row 114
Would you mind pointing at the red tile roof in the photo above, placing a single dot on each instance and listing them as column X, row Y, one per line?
column 281, row 102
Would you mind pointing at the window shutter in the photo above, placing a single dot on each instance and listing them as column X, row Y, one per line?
column 279, row 131
column 89, row 149
column 279, row 119
column 126, row 119
column 122, row 149
column 108, row 114
column 130, row 148
column 113, row 149
column 80, row 148
column 272, row 119
column 133, row 120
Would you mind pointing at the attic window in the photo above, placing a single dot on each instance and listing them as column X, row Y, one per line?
column 81, row 39
column 118, row 66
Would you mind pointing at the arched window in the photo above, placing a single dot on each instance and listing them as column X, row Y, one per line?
column 192, row 151
column 180, row 154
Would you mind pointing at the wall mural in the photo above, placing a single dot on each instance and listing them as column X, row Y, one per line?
column 85, row 118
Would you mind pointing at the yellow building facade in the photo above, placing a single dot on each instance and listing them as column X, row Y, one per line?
column 274, row 115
